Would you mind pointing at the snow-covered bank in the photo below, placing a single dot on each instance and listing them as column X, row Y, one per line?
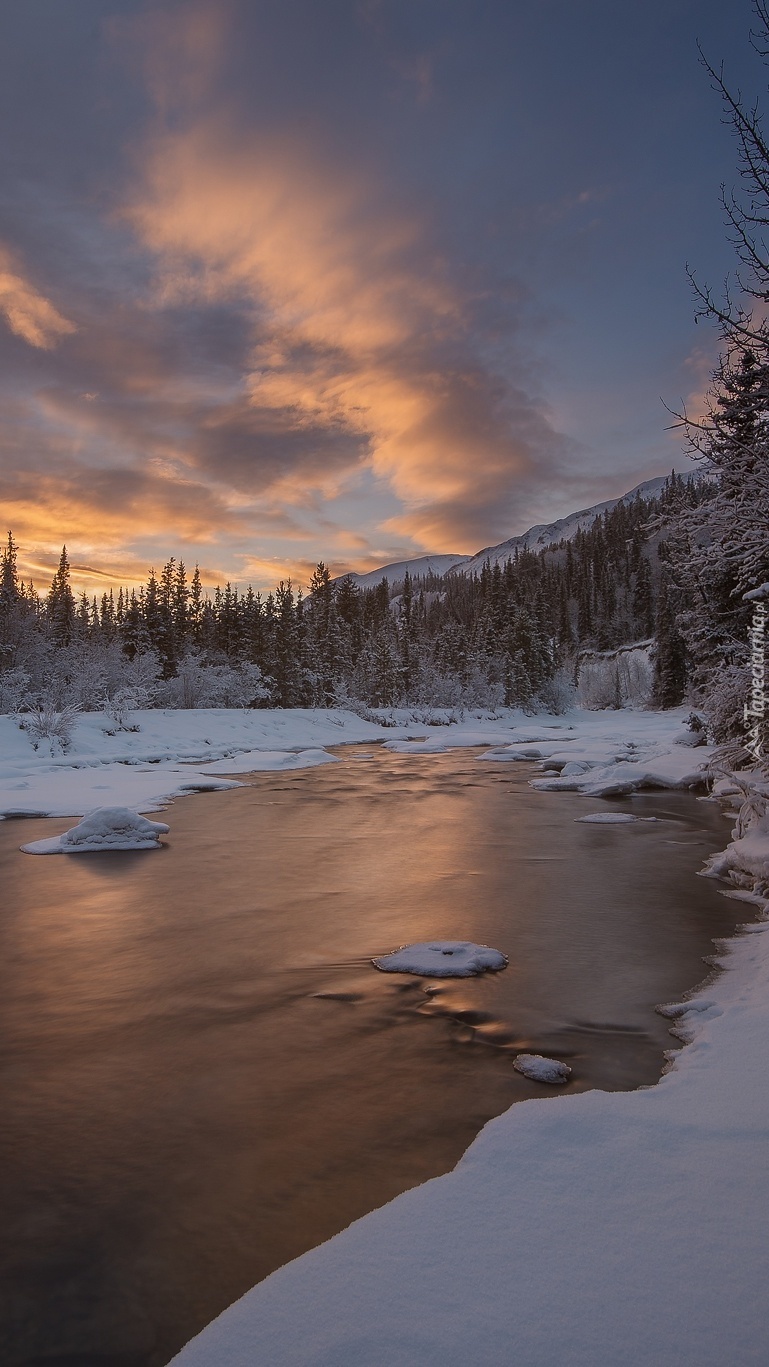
column 589, row 1230
column 173, row 752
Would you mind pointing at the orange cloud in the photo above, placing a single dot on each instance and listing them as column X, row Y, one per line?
column 27, row 312
column 357, row 329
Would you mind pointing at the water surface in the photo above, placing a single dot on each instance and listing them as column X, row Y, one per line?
column 202, row 1075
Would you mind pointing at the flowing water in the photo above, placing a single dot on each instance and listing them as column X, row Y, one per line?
column 202, row 1074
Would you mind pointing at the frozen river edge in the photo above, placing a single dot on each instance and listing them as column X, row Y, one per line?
column 600, row 1228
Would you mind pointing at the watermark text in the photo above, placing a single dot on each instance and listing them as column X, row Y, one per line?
column 755, row 707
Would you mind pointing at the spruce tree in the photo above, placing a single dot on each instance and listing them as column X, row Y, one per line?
column 670, row 666
column 9, row 577
column 60, row 603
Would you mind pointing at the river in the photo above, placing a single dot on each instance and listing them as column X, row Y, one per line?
column 202, row 1074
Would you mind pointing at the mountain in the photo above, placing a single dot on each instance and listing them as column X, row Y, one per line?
column 550, row 533
column 535, row 539
column 423, row 564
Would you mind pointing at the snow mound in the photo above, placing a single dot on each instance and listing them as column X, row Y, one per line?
column 515, row 753
column 443, row 959
column 106, row 828
column 541, row 1069
column 259, row 761
column 675, row 767
column 609, row 818
column 746, row 857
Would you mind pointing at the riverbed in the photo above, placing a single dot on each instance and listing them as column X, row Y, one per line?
column 204, row 1076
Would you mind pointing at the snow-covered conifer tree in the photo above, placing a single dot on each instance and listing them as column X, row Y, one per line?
column 60, row 603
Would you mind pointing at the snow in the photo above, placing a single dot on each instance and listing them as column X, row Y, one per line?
column 420, row 565
column 172, row 753
column 251, row 761
column 106, row 828
column 613, row 818
column 656, row 768
column 747, row 857
column 541, row 1069
column 564, row 529
column 589, row 1229
column 175, row 751
column 443, row 959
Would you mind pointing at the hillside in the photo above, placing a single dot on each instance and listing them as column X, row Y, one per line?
column 564, row 529
column 535, row 539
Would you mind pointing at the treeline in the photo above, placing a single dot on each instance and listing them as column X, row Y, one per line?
column 513, row 635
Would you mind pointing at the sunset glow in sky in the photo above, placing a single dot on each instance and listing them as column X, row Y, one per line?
column 351, row 280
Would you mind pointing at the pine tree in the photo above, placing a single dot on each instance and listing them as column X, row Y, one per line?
column 407, row 635
column 11, row 604
column 195, row 606
column 60, row 603
column 150, row 609
column 9, row 577
column 643, row 605
column 134, row 635
column 670, row 667
column 181, row 596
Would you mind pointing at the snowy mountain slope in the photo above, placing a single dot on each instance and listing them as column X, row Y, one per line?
column 545, row 534
column 548, row 534
column 423, row 564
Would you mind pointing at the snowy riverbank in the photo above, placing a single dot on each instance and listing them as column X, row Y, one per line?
column 172, row 752
column 589, row 1230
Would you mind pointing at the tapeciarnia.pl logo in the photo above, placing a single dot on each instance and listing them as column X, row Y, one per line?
column 755, row 708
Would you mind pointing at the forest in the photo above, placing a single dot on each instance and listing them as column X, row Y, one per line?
column 584, row 618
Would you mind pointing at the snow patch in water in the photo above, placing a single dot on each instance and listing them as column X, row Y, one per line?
column 613, row 818
column 541, row 1069
column 106, row 828
column 443, row 959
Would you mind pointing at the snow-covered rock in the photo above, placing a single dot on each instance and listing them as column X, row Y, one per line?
column 612, row 818
column 106, row 828
column 443, row 959
column 575, row 766
column 541, row 1069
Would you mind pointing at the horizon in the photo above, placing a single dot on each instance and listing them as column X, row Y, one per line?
column 240, row 588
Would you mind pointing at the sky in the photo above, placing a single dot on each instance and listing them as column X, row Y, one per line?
column 284, row 281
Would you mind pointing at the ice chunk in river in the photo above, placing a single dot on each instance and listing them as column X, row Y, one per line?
column 541, row 1069
column 442, row 959
column 105, row 828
